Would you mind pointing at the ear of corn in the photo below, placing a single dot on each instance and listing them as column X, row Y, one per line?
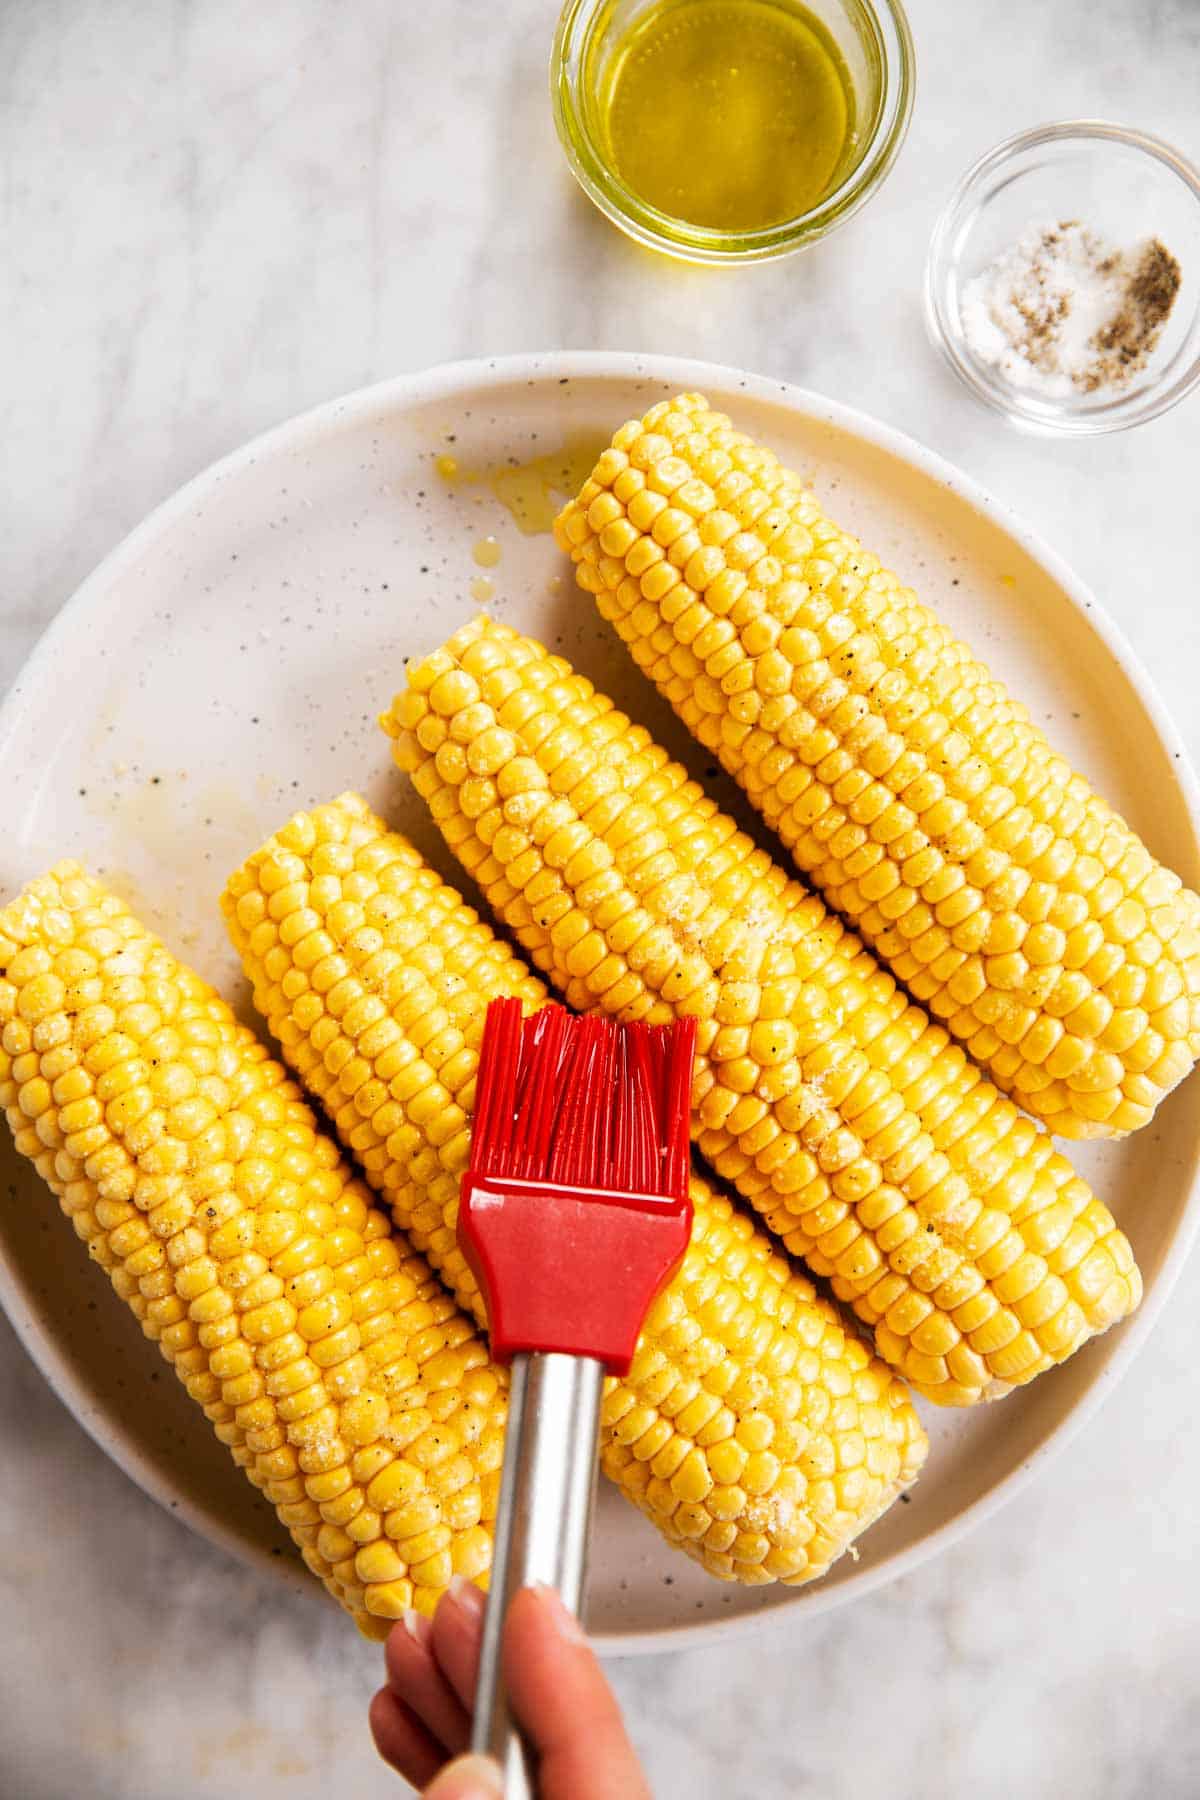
column 344, row 1380
column 751, row 1427
column 870, row 1144
column 928, row 809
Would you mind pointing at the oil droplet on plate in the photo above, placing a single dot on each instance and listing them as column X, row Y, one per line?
column 487, row 552
column 533, row 492
column 482, row 588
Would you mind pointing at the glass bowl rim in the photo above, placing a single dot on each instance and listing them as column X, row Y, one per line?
column 661, row 231
column 1049, row 414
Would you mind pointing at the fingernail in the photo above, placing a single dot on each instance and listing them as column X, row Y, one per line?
column 467, row 1778
column 466, row 1595
column 418, row 1627
column 565, row 1622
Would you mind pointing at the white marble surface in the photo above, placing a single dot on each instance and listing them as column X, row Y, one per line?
column 216, row 215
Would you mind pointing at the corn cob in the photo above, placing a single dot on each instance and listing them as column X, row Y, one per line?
column 872, row 1147
column 344, row 1380
column 924, row 804
column 752, row 1429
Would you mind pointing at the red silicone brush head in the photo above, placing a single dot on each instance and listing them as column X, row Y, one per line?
column 575, row 1208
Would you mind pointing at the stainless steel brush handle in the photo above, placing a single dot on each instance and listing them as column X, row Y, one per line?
column 547, row 1488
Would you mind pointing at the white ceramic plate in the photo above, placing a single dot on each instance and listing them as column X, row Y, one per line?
column 226, row 664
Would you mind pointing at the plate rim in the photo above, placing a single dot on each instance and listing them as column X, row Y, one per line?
column 444, row 381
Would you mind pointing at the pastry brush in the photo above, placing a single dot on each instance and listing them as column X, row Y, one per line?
column 574, row 1214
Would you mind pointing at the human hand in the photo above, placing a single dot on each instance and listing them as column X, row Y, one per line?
column 555, row 1688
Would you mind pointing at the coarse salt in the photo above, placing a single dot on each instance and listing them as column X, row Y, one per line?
column 1063, row 310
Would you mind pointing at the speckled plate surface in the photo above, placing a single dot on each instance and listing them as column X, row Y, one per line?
column 226, row 664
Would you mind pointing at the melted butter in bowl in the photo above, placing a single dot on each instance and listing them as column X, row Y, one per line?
column 731, row 114
column 731, row 130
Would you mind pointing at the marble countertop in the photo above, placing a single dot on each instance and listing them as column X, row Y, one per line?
column 216, row 216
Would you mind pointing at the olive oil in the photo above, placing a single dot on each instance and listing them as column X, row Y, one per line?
column 734, row 115
column 532, row 492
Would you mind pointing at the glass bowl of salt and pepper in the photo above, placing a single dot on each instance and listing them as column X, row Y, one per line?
column 1063, row 279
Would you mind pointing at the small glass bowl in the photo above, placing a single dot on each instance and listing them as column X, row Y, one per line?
column 874, row 40
column 1125, row 185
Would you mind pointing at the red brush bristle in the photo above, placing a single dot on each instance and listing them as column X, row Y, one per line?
column 543, row 1045
column 495, row 1085
column 641, row 1151
column 583, row 1102
column 677, row 1103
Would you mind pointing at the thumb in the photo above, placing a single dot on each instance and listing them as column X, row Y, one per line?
column 467, row 1778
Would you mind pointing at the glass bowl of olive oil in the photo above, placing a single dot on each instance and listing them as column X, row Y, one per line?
column 731, row 130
